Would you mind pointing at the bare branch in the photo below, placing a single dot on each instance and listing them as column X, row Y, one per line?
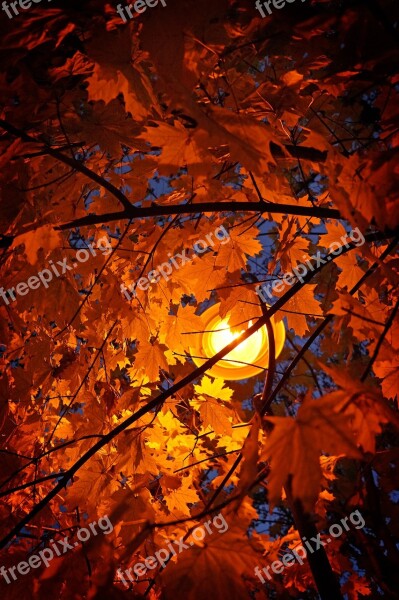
column 205, row 207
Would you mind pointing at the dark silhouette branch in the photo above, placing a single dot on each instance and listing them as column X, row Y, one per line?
column 28, row 484
column 323, row 575
column 36, row 459
column 71, row 162
column 387, row 327
column 204, row 207
column 271, row 368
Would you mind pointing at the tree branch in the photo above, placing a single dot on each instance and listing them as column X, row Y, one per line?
column 326, row 583
column 23, row 486
column 71, row 162
column 265, row 400
column 379, row 343
column 204, row 207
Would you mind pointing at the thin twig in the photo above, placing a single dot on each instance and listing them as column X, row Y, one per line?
column 380, row 341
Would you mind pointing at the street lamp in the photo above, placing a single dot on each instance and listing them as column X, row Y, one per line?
column 248, row 359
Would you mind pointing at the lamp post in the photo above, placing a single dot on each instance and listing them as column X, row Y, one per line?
column 250, row 357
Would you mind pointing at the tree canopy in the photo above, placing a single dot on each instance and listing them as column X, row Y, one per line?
column 154, row 170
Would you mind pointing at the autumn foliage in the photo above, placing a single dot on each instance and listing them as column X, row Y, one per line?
column 151, row 135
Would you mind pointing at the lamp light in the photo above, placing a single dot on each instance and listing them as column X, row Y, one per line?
column 250, row 357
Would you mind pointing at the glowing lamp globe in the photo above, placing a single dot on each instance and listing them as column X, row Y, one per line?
column 248, row 359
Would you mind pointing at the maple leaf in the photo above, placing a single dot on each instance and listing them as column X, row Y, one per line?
column 292, row 247
column 135, row 456
column 177, row 500
column 215, row 388
column 45, row 238
column 364, row 405
column 388, row 372
column 178, row 146
column 213, row 416
column 241, row 243
column 299, row 307
column 103, row 126
column 115, row 73
column 364, row 319
column 213, row 413
column 356, row 588
column 368, row 416
column 177, row 331
column 91, row 484
column 207, row 276
column 149, row 359
column 335, row 231
column 224, row 558
column 351, row 272
column 295, row 445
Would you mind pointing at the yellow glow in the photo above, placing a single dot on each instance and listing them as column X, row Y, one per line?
column 247, row 351
column 248, row 359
